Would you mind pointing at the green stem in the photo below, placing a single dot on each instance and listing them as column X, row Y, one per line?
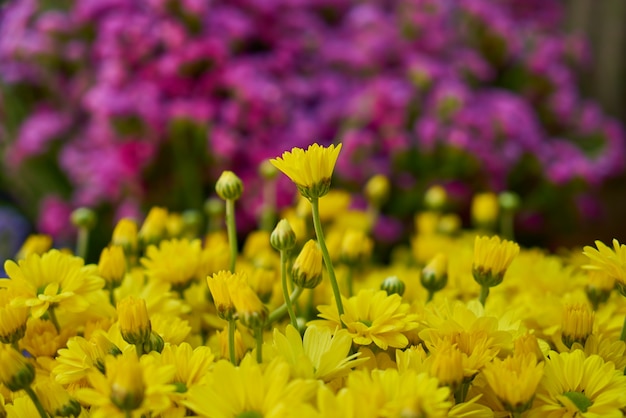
column 283, row 276
column 349, row 281
column 139, row 349
column 231, row 341
column 484, row 292
column 232, row 232
column 268, row 213
column 461, row 393
column 53, row 318
column 317, row 224
column 623, row 334
column 111, row 294
column 430, row 296
column 282, row 309
column 33, row 397
column 82, row 242
column 259, row 344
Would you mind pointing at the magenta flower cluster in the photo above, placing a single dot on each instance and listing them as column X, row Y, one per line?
column 475, row 88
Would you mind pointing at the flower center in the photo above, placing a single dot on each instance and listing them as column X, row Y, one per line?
column 579, row 399
column 367, row 322
column 250, row 414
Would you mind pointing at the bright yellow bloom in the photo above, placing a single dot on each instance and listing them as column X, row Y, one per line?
column 125, row 235
column 133, row 318
column 577, row 385
column 218, row 285
column 250, row 310
column 310, row 170
column 136, row 386
column 485, row 208
column 577, row 324
column 250, row 390
column 53, row 279
column 112, row 265
column 34, row 244
column 492, row 258
column 317, row 355
column 611, row 261
column 21, row 407
column 16, row 372
column 446, row 364
column 176, row 262
column 12, row 318
column 192, row 365
column 153, row 227
column 55, row 399
column 356, row 247
column 514, row 380
column 377, row 190
column 240, row 345
column 528, row 344
column 307, row 268
column 372, row 316
column 42, row 339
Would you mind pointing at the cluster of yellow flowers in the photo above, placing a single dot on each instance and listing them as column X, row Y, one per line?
column 301, row 322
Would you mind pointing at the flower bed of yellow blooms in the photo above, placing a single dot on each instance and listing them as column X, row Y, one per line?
column 300, row 322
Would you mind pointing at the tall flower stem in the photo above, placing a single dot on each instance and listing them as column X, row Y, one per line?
column 259, row 344
column 231, row 341
column 232, row 232
column 317, row 224
column 53, row 318
column 33, row 397
column 282, row 309
column 484, row 292
column 283, row 276
column 82, row 242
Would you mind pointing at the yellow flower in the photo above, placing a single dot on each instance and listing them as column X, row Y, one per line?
column 133, row 319
column 446, row 364
column 356, row 247
column 112, row 265
column 283, row 236
column 125, row 235
column 42, row 339
column 310, row 170
column 21, row 407
column 307, row 268
column 240, row 346
column 16, row 372
column 250, row 390
column 55, row 399
column 485, row 208
column 317, row 355
column 611, row 261
column 492, row 258
column 192, row 365
column 12, row 318
column 53, row 279
column 176, row 262
column 218, row 285
column 34, row 244
column 130, row 385
column 372, row 316
column 250, row 310
column 514, row 380
column 436, row 197
column 153, row 228
column 434, row 276
column 377, row 190
column 577, row 385
column 577, row 324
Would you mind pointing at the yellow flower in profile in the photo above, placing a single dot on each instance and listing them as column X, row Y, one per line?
column 16, row 372
column 34, row 244
column 175, row 261
column 492, row 257
column 55, row 399
column 446, row 364
column 134, row 322
column 53, row 279
column 42, row 339
column 317, row 355
column 129, row 387
column 21, row 407
column 485, row 209
column 611, row 261
column 253, row 391
column 153, row 228
column 576, row 385
column 372, row 316
column 112, row 265
column 218, row 285
column 81, row 356
column 310, row 170
column 12, row 318
column 250, row 309
column 577, row 324
column 307, row 268
column 514, row 380
column 125, row 235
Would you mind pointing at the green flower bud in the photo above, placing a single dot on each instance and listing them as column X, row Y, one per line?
column 83, row 218
column 229, row 186
column 307, row 269
column 283, row 237
column 393, row 284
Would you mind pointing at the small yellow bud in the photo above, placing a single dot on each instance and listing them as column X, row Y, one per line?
column 112, row 265
column 229, row 186
column 393, row 284
column 528, row 344
column 485, row 209
column 83, row 218
column 283, row 237
column 127, row 383
column 492, row 258
column 447, row 365
column 377, row 190
column 218, row 285
column 577, row 324
column 55, row 399
column 435, row 197
column 134, row 322
column 307, row 268
column 154, row 226
column 125, row 235
column 34, row 244
column 174, row 225
column 509, row 201
column 434, row 276
column 12, row 318
column 356, row 247
column 599, row 287
column 16, row 373
column 449, row 224
column 250, row 310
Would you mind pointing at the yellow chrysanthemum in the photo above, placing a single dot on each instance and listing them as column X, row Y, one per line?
column 12, row 318
column 130, row 386
column 16, row 372
column 577, row 385
column 611, row 261
column 42, row 339
column 153, row 227
column 34, row 244
column 492, row 258
column 81, row 356
column 112, row 265
column 134, row 322
column 250, row 390
column 55, row 399
column 174, row 261
column 250, row 309
column 219, row 286
column 317, row 355
column 372, row 316
column 310, row 170
column 514, row 380
column 53, row 279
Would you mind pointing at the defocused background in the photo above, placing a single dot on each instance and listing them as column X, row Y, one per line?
column 120, row 105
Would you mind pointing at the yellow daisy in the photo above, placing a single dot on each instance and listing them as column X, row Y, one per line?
column 12, row 318
column 174, row 261
column 372, row 316
column 317, row 355
column 249, row 390
column 310, row 170
column 577, row 385
column 611, row 261
column 492, row 258
column 81, row 356
column 54, row 279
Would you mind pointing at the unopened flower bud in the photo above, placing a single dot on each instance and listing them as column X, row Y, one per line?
column 485, row 209
column 125, row 235
column 509, row 201
column 83, row 218
column 283, row 237
column 155, row 343
column 434, row 276
column 16, row 373
column 577, row 324
column 307, row 268
column 112, row 265
column 134, row 322
column 154, row 226
column 393, row 284
column 377, row 190
column 356, row 247
column 435, row 197
column 128, row 386
column 229, row 186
